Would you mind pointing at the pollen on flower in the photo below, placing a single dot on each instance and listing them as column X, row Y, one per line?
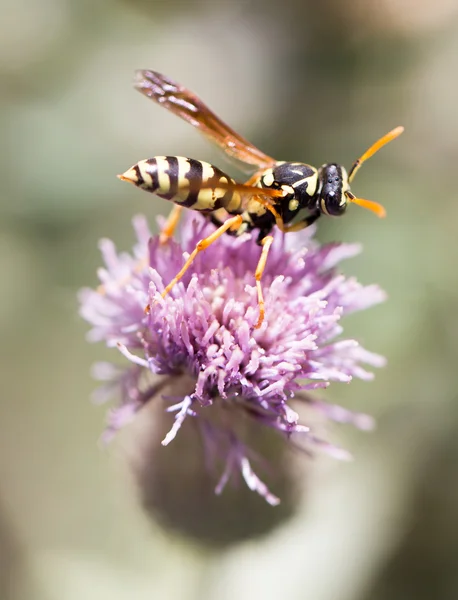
column 204, row 330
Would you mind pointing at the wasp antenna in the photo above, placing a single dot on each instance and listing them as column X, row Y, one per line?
column 375, row 207
column 388, row 137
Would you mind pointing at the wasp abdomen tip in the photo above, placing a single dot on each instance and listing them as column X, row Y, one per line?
column 127, row 176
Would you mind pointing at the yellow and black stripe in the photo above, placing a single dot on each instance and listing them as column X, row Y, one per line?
column 187, row 182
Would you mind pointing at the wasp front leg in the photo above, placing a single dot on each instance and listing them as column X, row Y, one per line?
column 302, row 224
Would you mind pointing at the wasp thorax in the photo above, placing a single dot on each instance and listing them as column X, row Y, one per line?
column 333, row 185
column 297, row 180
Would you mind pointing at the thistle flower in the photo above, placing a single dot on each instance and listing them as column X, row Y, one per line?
column 202, row 335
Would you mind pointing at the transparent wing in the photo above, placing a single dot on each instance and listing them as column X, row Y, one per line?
column 189, row 107
column 265, row 196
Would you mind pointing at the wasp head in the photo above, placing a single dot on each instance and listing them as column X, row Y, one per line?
column 333, row 188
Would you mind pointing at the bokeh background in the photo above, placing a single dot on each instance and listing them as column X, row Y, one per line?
column 313, row 81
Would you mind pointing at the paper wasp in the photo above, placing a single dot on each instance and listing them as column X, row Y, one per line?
column 274, row 195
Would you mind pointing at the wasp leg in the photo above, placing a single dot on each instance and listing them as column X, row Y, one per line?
column 170, row 225
column 266, row 244
column 215, row 221
column 219, row 217
column 166, row 233
column 303, row 223
column 278, row 219
column 232, row 223
column 288, row 228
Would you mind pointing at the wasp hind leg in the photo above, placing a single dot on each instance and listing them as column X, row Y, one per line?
column 170, row 225
column 166, row 233
column 232, row 223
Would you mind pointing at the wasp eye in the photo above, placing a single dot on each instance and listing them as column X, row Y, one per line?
column 332, row 202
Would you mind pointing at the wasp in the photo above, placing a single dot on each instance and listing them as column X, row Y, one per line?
column 273, row 196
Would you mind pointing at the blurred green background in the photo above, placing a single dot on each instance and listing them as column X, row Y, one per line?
column 312, row 81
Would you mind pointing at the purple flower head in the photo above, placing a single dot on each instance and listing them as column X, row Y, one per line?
column 203, row 331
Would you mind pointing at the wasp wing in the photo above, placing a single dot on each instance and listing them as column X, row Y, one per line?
column 264, row 196
column 189, row 107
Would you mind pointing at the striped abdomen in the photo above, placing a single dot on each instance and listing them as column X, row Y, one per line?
column 185, row 181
